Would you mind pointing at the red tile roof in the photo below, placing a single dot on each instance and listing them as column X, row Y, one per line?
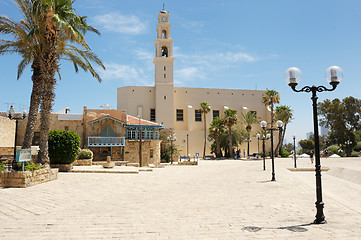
column 135, row 121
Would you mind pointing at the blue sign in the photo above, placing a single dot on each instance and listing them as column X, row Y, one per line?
column 197, row 154
column 23, row 155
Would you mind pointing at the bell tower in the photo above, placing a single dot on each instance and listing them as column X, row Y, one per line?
column 163, row 61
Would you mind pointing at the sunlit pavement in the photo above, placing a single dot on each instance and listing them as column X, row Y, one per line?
column 214, row 200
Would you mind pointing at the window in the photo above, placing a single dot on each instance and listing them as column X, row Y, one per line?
column 151, row 153
column 215, row 113
column 165, row 68
column 152, row 114
column 66, row 128
column 165, row 75
column 179, row 114
column 36, row 139
column 254, row 113
column 197, row 115
column 165, row 97
column 131, row 133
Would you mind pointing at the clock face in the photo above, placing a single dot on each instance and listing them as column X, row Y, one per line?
column 164, row 19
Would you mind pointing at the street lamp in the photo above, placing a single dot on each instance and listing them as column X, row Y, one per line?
column 264, row 152
column 140, row 143
column 333, row 75
column 279, row 125
column 258, row 137
column 348, row 143
column 12, row 116
column 248, row 141
column 172, row 139
column 294, row 149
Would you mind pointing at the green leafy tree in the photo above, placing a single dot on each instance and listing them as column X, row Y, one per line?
column 205, row 108
column 230, row 119
column 307, row 145
column 63, row 146
column 216, row 129
column 343, row 118
column 249, row 118
column 283, row 113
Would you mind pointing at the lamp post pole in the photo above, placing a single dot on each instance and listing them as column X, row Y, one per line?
column 13, row 117
column 279, row 125
column 294, row 150
column 348, row 143
column 258, row 137
column 140, row 143
column 334, row 75
column 264, row 153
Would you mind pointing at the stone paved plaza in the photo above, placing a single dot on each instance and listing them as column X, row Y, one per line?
column 215, row 200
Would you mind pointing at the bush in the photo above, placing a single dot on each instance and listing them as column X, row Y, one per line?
column 85, row 154
column 63, row 146
column 355, row 154
column 333, row 149
column 284, row 153
column 2, row 166
column 357, row 148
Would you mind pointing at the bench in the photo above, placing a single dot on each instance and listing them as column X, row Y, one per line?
column 209, row 157
column 254, row 155
column 188, row 158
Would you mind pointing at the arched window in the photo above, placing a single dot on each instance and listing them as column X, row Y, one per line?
column 107, row 131
column 164, row 34
column 164, row 51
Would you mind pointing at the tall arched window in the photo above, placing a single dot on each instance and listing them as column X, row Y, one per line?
column 107, row 131
column 164, row 34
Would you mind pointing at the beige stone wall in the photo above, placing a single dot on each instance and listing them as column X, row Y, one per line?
column 132, row 152
column 7, row 129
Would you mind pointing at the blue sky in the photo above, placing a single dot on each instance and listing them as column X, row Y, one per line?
column 217, row 44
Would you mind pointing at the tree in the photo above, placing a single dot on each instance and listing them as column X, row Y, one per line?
column 230, row 119
column 28, row 42
column 343, row 118
column 307, row 145
column 59, row 22
column 249, row 118
column 283, row 113
column 205, row 108
column 271, row 98
column 215, row 131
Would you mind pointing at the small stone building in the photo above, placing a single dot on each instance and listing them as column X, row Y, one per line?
column 106, row 132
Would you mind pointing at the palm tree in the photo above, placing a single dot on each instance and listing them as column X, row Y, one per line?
column 283, row 113
column 205, row 108
column 230, row 119
column 29, row 42
column 271, row 98
column 215, row 131
column 249, row 118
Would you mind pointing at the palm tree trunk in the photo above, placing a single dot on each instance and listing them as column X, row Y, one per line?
column 34, row 105
column 218, row 147
column 230, row 141
column 50, row 64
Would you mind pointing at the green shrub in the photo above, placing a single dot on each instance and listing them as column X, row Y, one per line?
column 355, row 154
column 333, row 149
column 29, row 166
column 85, row 154
column 357, row 148
column 284, row 153
column 63, row 146
column 2, row 166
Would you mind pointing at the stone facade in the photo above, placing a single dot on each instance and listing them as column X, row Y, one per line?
column 22, row 179
column 7, row 136
column 150, row 152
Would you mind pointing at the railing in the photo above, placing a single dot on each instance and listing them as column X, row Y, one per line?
column 106, row 141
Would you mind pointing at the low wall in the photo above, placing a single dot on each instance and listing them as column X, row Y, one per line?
column 83, row 162
column 22, row 179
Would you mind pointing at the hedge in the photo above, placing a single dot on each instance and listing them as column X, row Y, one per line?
column 63, row 146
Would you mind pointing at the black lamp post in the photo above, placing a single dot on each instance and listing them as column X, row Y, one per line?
column 172, row 139
column 258, row 137
column 279, row 125
column 264, row 152
column 348, row 143
column 294, row 150
column 333, row 75
column 140, row 143
column 12, row 115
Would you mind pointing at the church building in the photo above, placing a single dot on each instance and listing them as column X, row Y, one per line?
column 178, row 108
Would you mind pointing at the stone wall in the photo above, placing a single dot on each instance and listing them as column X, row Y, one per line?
column 22, row 179
column 131, row 152
column 7, row 136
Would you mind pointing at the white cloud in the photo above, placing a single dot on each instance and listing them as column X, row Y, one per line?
column 116, row 22
column 145, row 55
column 127, row 74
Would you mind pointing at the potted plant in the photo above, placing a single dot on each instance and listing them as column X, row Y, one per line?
column 85, row 158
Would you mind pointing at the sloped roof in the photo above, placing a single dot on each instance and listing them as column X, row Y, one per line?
column 131, row 120
column 97, row 114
